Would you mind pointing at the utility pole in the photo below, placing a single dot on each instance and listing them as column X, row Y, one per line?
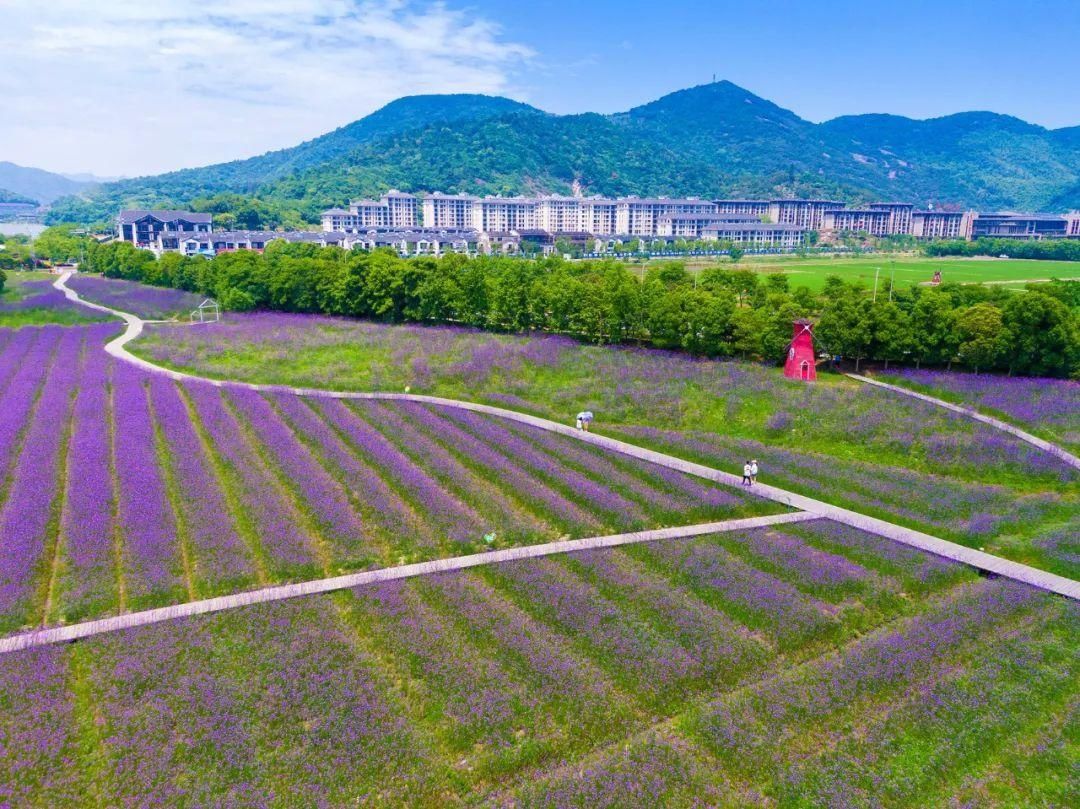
column 892, row 279
column 877, row 271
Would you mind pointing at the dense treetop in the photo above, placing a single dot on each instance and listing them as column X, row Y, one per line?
column 724, row 311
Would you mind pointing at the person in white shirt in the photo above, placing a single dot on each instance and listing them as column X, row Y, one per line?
column 753, row 471
column 746, row 477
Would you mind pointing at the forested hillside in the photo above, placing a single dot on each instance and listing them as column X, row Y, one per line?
column 717, row 139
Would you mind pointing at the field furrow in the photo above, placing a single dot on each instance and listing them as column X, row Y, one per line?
column 153, row 567
column 30, row 515
column 220, row 559
column 87, row 581
column 275, row 525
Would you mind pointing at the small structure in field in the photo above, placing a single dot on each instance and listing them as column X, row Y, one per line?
column 207, row 312
column 800, row 356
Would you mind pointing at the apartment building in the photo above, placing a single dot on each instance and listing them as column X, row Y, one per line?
column 752, row 207
column 557, row 214
column 494, row 214
column 899, row 215
column 402, row 209
column 1018, row 226
column 1072, row 228
column 394, row 210
column 598, row 215
column 755, row 234
column 938, row 224
column 691, row 225
column 803, row 213
column 639, row 217
column 874, row 221
column 448, row 211
column 143, row 228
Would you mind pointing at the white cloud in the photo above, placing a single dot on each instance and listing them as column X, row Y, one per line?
column 141, row 86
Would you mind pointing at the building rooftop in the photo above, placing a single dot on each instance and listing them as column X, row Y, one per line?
column 131, row 216
column 735, row 226
column 835, row 202
column 336, row 212
column 713, row 217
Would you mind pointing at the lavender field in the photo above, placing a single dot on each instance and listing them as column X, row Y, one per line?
column 1050, row 407
column 123, row 490
column 810, row 666
column 31, row 299
column 853, row 445
column 152, row 303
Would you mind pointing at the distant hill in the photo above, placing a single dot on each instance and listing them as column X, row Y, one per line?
column 11, row 196
column 714, row 139
column 36, row 184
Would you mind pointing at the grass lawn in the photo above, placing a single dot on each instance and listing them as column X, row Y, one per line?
column 910, row 270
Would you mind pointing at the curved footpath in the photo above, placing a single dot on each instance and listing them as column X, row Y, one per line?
column 1023, row 435
column 807, row 509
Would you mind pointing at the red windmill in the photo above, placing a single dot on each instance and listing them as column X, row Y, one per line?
column 800, row 355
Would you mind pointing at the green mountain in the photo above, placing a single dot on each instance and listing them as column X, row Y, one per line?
column 717, row 139
column 250, row 176
column 36, row 184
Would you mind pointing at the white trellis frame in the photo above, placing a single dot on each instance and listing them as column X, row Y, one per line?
column 207, row 312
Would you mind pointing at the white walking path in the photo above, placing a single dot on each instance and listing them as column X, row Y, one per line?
column 917, row 539
column 1034, row 440
column 62, row 634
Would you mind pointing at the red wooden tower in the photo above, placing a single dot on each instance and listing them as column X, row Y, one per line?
column 800, row 355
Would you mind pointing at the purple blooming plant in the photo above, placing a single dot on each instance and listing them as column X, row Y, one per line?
column 221, row 558
column 154, row 303
column 27, row 519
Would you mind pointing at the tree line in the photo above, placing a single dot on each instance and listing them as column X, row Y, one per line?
column 1044, row 249
column 723, row 311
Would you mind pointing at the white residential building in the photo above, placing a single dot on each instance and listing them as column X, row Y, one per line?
column 899, row 216
column 635, row 216
column 940, row 224
column 804, row 213
column 453, row 211
column 873, row 221
column 754, row 235
column 752, row 207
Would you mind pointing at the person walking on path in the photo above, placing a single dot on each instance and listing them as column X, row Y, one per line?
column 747, row 480
column 580, row 424
column 753, row 471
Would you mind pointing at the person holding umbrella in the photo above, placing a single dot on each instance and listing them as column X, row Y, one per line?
column 584, row 418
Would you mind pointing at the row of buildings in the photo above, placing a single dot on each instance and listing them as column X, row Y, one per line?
column 737, row 220
column 438, row 223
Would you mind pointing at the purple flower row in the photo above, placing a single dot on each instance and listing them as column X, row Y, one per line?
column 87, row 528
column 399, row 423
column 130, row 296
column 274, row 524
column 219, row 554
column 452, row 517
column 153, row 564
column 27, row 526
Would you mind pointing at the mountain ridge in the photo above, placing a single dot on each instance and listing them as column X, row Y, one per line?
column 714, row 139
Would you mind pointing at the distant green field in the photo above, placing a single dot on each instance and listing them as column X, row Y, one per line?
column 910, row 270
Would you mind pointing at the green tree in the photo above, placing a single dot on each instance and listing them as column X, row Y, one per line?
column 980, row 339
column 1039, row 335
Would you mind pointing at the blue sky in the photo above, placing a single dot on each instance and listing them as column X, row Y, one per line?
column 140, row 86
